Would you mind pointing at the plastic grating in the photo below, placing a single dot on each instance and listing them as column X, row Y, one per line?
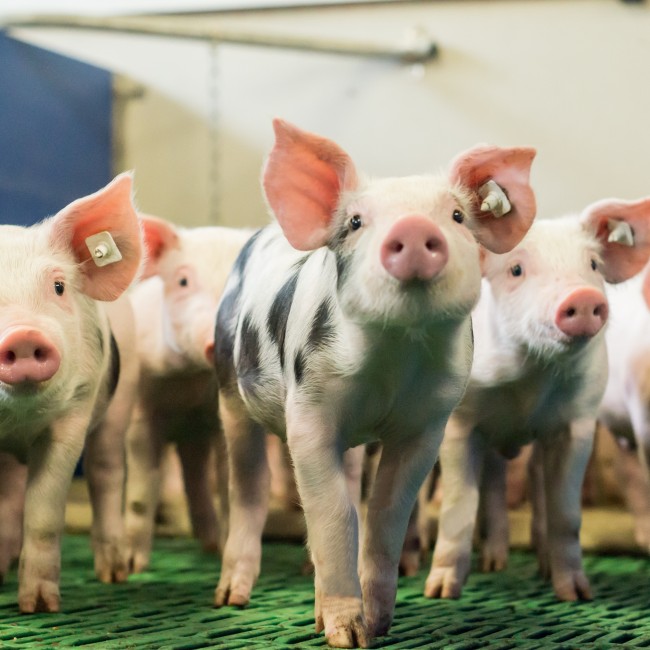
column 169, row 607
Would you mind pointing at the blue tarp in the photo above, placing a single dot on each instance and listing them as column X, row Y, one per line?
column 55, row 131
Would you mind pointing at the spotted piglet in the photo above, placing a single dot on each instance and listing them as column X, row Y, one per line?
column 59, row 365
column 539, row 373
column 346, row 322
column 625, row 408
column 175, row 308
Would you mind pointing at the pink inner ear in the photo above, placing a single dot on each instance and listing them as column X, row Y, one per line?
column 160, row 236
column 510, row 169
column 620, row 262
column 303, row 180
column 109, row 209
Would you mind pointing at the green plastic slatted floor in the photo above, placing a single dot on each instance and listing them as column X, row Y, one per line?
column 170, row 607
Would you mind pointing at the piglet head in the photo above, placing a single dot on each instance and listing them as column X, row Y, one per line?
column 192, row 264
column 404, row 246
column 110, row 210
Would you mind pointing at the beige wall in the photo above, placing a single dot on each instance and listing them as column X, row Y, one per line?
column 568, row 77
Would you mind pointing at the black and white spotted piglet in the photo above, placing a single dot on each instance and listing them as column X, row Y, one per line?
column 346, row 322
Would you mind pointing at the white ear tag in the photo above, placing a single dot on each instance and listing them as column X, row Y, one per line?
column 494, row 199
column 103, row 248
column 620, row 232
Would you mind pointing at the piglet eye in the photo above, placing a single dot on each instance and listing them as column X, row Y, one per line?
column 458, row 216
column 59, row 287
column 355, row 222
column 594, row 265
column 516, row 270
column 183, row 282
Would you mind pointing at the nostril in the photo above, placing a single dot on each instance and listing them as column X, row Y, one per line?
column 599, row 310
column 570, row 312
column 9, row 357
column 40, row 354
column 396, row 246
column 432, row 245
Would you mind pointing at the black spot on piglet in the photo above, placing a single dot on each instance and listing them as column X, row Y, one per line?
column 248, row 367
column 279, row 314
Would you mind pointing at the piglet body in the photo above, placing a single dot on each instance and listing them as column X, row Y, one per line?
column 59, row 368
column 175, row 307
column 346, row 322
column 539, row 374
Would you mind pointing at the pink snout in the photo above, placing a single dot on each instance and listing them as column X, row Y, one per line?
column 26, row 355
column 582, row 313
column 414, row 249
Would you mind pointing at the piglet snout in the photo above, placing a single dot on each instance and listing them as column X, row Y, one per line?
column 582, row 313
column 27, row 355
column 415, row 248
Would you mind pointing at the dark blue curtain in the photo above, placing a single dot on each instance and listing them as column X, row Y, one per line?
column 55, row 131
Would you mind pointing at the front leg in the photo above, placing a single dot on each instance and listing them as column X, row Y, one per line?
column 249, row 483
column 51, row 463
column 461, row 457
column 196, row 456
column 332, row 526
column 493, row 514
column 402, row 469
column 105, row 469
column 144, row 461
column 565, row 459
column 13, row 479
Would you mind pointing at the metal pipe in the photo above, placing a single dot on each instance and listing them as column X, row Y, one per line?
column 420, row 50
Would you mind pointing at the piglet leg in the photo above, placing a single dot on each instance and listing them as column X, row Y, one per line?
column 249, row 477
column 196, row 458
column 565, row 461
column 493, row 514
column 13, row 479
column 51, row 464
column 538, row 532
column 402, row 469
column 461, row 455
column 105, row 469
column 332, row 527
column 633, row 477
column 144, row 460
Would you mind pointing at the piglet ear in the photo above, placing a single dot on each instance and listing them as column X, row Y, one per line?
column 109, row 210
column 160, row 236
column 623, row 229
column 303, row 181
column 509, row 168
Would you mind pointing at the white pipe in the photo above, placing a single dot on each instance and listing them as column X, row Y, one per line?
column 422, row 48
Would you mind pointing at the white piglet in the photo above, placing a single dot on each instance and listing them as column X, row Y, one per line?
column 346, row 322
column 539, row 373
column 59, row 366
column 175, row 307
column 625, row 408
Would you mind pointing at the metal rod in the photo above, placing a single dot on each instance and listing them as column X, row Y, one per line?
column 421, row 50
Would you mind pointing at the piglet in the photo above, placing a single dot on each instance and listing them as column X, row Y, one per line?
column 345, row 322
column 625, row 409
column 175, row 305
column 59, row 367
column 539, row 373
